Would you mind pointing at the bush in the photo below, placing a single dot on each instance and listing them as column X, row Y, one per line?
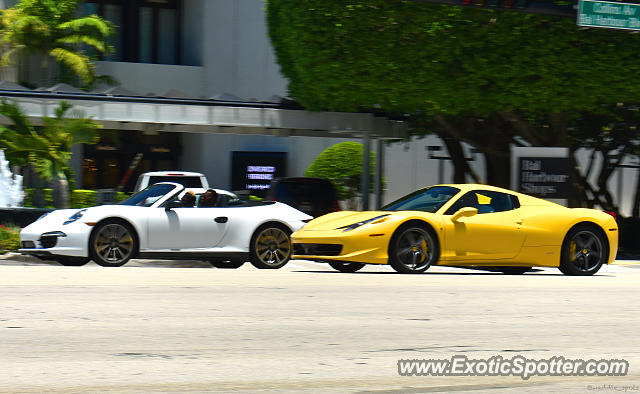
column 79, row 198
column 9, row 238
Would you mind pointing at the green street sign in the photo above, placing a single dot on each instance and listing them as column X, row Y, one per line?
column 609, row 14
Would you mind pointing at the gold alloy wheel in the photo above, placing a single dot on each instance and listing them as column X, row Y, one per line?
column 113, row 243
column 273, row 246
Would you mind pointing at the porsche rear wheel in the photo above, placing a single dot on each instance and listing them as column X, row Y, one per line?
column 270, row 246
column 226, row 263
column 73, row 261
column 112, row 243
column 584, row 250
column 413, row 249
column 345, row 266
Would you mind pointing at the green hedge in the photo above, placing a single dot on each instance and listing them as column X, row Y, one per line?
column 9, row 238
column 79, row 198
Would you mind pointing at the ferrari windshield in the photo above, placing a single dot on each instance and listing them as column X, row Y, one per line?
column 146, row 197
column 428, row 200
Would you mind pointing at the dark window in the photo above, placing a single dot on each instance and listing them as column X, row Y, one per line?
column 485, row 201
column 146, row 31
column 427, row 200
column 186, row 181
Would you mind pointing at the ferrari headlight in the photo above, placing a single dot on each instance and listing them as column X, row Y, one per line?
column 362, row 223
column 75, row 216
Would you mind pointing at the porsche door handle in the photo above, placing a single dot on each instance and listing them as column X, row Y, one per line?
column 221, row 219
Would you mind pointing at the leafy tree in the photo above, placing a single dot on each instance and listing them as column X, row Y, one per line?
column 49, row 29
column 487, row 77
column 46, row 149
column 342, row 165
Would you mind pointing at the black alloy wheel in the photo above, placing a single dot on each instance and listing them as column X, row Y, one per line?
column 413, row 249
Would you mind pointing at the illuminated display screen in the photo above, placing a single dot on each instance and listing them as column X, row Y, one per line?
column 254, row 171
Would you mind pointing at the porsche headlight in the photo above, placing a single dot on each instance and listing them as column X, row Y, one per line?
column 43, row 215
column 362, row 223
column 75, row 216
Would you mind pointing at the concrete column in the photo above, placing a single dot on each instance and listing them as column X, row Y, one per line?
column 379, row 171
column 366, row 153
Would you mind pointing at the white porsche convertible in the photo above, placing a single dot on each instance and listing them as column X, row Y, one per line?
column 154, row 224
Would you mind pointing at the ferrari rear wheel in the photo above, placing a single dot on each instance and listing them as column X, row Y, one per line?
column 226, row 263
column 112, row 243
column 344, row 266
column 270, row 246
column 583, row 252
column 73, row 261
column 413, row 249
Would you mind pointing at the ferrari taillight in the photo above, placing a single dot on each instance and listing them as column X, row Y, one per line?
column 615, row 217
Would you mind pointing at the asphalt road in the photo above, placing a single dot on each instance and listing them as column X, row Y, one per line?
column 187, row 327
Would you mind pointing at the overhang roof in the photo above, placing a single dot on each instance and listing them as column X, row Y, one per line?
column 216, row 115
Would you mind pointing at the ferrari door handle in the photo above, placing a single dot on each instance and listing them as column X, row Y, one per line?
column 520, row 221
column 221, row 219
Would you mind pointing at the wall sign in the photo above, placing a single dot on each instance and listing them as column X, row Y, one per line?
column 546, row 177
column 254, row 171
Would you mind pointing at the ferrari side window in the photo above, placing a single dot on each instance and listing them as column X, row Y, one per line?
column 485, row 201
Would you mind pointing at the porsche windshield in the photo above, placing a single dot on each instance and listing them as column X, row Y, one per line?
column 427, row 200
column 146, row 197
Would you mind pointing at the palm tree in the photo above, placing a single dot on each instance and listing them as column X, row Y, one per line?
column 50, row 30
column 46, row 149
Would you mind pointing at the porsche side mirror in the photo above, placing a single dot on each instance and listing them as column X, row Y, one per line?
column 173, row 204
column 463, row 213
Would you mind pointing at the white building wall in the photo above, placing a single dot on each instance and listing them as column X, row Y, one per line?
column 237, row 53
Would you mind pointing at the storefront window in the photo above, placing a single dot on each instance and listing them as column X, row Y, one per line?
column 146, row 31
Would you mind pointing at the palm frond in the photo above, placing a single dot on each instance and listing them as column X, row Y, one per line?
column 79, row 63
column 83, row 39
column 93, row 22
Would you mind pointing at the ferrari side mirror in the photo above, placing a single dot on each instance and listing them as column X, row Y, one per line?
column 463, row 213
column 173, row 204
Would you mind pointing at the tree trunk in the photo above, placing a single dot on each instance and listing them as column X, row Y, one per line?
column 498, row 167
column 60, row 192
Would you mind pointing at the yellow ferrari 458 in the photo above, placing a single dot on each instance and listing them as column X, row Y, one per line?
column 463, row 225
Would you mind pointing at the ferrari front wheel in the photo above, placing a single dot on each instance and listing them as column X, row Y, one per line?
column 344, row 266
column 413, row 249
column 584, row 250
column 112, row 243
column 270, row 246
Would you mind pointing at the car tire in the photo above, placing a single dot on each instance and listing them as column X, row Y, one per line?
column 413, row 249
column 270, row 246
column 584, row 251
column 514, row 270
column 113, row 243
column 231, row 264
column 344, row 266
column 73, row 261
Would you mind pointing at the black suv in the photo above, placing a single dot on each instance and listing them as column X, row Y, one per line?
column 314, row 196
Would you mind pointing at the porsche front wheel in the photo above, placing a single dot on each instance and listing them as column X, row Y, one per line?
column 270, row 246
column 112, row 243
column 584, row 250
column 413, row 249
column 345, row 266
